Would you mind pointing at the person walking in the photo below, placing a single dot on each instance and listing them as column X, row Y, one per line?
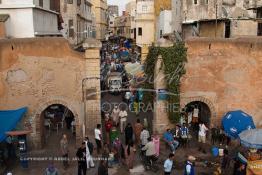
column 81, row 155
column 150, row 150
column 128, row 133
column 189, row 167
column 89, row 152
column 105, row 153
column 138, row 129
column 168, row 165
column 123, row 118
column 144, row 137
column 114, row 133
column 51, row 170
column 117, row 146
column 108, row 127
column 136, row 106
column 202, row 136
column 64, row 150
column 129, row 154
column 102, row 168
column 10, row 147
column 98, row 138
column 225, row 161
column 184, row 134
column 115, row 115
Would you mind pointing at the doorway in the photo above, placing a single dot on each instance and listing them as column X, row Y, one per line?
column 227, row 29
column 55, row 121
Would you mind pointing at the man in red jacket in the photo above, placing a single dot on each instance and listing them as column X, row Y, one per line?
column 108, row 126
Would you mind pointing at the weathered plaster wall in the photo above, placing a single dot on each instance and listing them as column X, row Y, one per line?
column 40, row 72
column 2, row 30
column 225, row 74
column 243, row 28
column 208, row 29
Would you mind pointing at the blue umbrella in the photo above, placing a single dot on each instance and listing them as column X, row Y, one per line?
column 251, row 138
column 234, row 122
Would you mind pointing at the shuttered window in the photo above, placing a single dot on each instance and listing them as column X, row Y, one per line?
column 71, row 29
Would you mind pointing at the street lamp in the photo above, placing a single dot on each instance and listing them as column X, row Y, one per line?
column 84, row 101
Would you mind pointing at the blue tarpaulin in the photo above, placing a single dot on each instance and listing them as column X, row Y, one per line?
column 9, row 120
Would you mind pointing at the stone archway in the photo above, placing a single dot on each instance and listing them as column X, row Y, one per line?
column 39, row 121
column 185, row 101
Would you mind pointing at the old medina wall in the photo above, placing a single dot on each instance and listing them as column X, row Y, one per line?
column 37, row 73
column 226, row 75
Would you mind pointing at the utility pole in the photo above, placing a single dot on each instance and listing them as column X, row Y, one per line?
column 216, row 22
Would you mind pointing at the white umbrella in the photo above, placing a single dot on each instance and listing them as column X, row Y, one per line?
column 251, row 138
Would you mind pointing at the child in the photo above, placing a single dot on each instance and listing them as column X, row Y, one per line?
column 111, row 159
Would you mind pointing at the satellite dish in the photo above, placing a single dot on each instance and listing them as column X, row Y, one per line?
column 224, row 11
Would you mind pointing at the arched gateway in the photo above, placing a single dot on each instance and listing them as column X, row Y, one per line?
column 40, row 123
column 207, row 111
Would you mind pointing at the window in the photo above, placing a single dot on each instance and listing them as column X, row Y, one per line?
column 41, row 3
column 144, row 8
column 227, row 30
column 140, row 31
column 71, row 29
column 206, row 1
column 195, row 1
column 70, row 1
column 111, row 22
column 259, row 29
column 78, row 2
column 161, row 33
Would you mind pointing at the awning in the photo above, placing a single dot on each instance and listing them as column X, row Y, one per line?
column 18, row 133
column 9, row 120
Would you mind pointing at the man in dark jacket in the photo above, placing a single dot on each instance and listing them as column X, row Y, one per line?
column 81, row 155
column 128, row 133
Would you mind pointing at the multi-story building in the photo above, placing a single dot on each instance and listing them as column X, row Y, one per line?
column 113, row 10
column 123, row 25
column 101, row 16
column 214, row 18
column 257, row 6
column 164, row 24
column 29, row 18
column 77, row 20
column 131, row 10
column 112, row 23
column 145, row 22
column 162, row 8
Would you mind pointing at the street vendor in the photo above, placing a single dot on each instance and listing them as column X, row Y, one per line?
column 253, row 155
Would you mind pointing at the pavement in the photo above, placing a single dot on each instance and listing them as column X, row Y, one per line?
column 52, row 149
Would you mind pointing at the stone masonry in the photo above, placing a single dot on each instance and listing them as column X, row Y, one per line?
column 40, row 72
column 225, row 74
